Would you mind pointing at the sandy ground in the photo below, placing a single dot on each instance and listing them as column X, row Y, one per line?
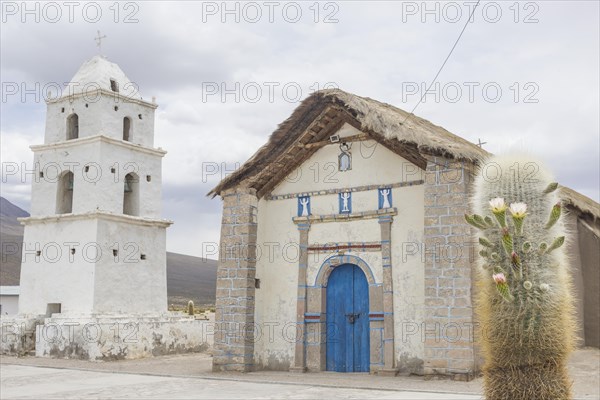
column 584, row 367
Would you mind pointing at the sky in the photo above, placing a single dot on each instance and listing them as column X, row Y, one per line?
column 524, row 77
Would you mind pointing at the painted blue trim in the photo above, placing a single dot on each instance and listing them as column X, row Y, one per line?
column 300, row 207
column 381, row 198
column 341, row 203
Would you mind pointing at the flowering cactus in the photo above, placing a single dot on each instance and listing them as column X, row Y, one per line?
column 524, row 302
column 518, row 212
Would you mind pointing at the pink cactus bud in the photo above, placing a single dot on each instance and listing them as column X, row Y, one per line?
column 499, row 278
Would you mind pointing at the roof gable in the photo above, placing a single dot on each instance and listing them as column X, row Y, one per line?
column 371, row 165
column 325, row 112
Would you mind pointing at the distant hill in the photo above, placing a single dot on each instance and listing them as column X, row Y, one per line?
column 11, row 237
column 191, row 278
column 188, row 278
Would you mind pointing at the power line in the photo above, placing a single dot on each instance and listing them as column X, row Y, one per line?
column 445, row 61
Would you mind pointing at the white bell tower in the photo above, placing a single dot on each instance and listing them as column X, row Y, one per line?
column 95, row 242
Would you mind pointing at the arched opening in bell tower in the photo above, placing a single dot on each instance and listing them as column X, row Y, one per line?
column 127, row 129
column 64, row 193
column 131, row 194
column 72, row 126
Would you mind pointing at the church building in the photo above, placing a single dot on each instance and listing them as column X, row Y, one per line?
column 93, row 274
column 95, row 241
column 344, row 246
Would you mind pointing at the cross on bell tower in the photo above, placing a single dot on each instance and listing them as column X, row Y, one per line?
column 98, row 40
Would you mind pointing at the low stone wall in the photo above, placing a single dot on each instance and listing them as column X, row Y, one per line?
column 17, row 335
column 108, row 337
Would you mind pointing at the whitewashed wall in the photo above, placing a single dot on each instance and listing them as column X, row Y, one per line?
column 99, row 188
column 10, row 304
column 126, row 283
column 42, row 277
column 100, row 118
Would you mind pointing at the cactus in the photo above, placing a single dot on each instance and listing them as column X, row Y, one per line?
column 524, row 290
column 190, row 307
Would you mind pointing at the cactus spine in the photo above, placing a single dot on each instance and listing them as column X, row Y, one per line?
column 524, row 302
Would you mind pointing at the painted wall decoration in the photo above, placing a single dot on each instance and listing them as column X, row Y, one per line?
column 385, row 198
column 345, row 201
column 304, row 206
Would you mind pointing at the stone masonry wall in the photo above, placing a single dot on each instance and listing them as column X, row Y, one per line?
column 234, row 318
column 448, row 329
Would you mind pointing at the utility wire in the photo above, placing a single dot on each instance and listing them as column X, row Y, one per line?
column 444, row 64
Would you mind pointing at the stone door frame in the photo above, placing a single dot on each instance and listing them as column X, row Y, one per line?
column 316, row 315
column 310, row 347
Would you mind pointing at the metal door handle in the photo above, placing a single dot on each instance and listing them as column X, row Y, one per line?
column 352, row 317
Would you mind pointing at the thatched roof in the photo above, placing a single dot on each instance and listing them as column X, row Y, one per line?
column 583, row 204
column 321, row 115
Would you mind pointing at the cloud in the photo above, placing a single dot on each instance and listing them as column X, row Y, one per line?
column 546, row 71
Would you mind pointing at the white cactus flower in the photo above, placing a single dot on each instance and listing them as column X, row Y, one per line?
column 497, row 205
column 518, row 210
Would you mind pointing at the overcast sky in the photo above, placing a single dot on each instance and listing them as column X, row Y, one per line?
column 543, row 57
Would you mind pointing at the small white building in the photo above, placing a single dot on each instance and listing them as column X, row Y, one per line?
column 9, row 300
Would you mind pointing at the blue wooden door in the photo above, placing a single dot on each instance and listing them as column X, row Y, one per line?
column 347, row 320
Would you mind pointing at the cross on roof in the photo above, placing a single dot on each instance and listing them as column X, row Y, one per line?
column 480, row 144
column 98, row 40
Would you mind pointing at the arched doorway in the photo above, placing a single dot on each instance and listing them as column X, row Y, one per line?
column 348, row 343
